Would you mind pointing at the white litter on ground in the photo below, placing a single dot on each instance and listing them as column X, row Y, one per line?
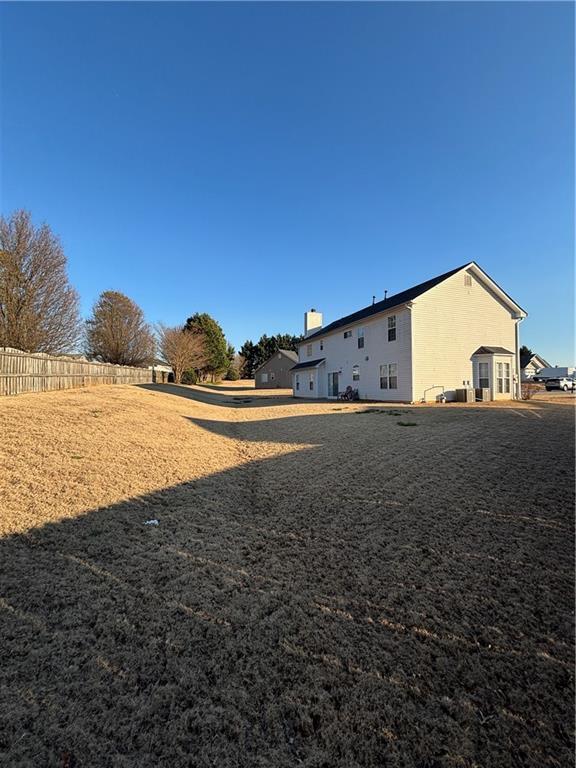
column 151, row 522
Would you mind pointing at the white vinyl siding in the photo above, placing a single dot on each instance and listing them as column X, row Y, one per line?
column 449, row 323
column 341, row 356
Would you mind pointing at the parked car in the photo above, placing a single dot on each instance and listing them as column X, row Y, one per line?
column 564, row 383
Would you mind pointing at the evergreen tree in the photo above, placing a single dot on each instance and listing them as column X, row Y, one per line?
column 248, row 354
column 217, row 361
column 256, row 354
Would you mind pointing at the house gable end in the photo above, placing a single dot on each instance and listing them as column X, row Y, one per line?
column 286, row 353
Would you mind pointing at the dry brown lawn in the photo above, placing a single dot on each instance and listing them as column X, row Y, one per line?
column 327, row 587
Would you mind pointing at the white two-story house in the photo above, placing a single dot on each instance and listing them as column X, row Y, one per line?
column 459, row 330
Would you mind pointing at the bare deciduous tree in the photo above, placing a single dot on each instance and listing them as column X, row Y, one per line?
column 238, row 364
column 118, row 333
column 182, row 349
column 39, row 309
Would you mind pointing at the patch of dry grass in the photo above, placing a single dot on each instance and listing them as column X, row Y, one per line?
column 325, row 587
column 64, row 453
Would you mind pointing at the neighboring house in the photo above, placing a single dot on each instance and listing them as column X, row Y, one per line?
column 456, row 331
column 276, row 371
column 530, row 365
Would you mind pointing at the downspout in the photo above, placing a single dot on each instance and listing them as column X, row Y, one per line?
column 410, row 307
column 518, row 374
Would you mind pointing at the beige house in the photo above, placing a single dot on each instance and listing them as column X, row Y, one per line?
column 276, row 371
column 457, row 331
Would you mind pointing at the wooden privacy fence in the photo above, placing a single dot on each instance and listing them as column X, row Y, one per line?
column 24, row 372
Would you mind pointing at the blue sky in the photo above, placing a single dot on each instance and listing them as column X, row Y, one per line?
column 252, row 160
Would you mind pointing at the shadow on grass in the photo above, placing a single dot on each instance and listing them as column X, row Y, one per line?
column 340, row 605
column 228, row 400
column 226, row 387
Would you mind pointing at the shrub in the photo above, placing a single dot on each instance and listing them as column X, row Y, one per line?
column 190, row 377
column 232, row 375
column 529, row 389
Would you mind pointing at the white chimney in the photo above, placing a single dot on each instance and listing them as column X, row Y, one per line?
column 312, row 322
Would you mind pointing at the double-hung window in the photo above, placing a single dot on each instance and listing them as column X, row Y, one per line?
column 503, row 378
column 297, row 382
column 392, row 328
column 360, row 338
column 311, row 384
column 483, row 376
column 347, row 334
column 355, row 373
column 309, row 350
column 389, row 376
column 500, row 377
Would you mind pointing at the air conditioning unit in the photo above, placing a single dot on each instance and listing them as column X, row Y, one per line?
column 483, row 395
column 465, row 395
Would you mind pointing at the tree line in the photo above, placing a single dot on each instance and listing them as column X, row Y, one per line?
column 253, row 355
column 40, row 312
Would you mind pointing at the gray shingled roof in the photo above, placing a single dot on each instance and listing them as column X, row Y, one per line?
column 493, row 351
column 288, row 352
column 308, row 364
column 525, row 359
column 389, row 303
